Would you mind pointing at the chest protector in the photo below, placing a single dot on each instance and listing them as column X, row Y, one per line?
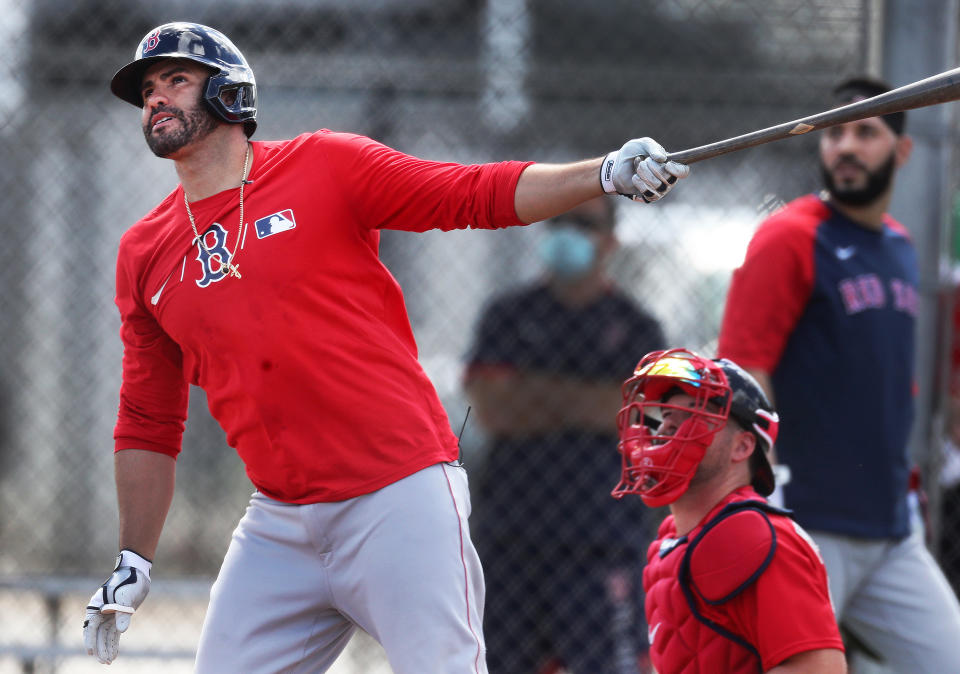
column 688, row 580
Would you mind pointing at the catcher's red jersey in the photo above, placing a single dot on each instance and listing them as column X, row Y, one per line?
column 755, row 575
column 308, row 360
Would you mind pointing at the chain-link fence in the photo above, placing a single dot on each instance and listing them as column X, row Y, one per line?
column 461, row 80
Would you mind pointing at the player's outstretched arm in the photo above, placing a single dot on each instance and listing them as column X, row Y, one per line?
column 638, row 170
column 145, row 484
column 821, row 661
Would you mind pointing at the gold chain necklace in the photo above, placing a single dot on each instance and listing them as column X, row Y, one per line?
column 232, row 269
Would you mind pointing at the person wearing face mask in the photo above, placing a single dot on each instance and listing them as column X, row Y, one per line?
column 543, row 376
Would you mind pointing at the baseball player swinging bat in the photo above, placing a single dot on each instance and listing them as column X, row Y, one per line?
column 941, row 88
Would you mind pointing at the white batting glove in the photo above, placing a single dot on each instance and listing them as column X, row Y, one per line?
column 112, row 606
column 640, row 170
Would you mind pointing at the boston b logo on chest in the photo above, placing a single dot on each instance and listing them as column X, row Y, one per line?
column 213, row 255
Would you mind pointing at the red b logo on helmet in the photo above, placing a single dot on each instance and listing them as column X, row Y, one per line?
column 152, row 41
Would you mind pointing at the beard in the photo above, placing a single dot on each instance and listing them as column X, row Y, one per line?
column 195, row 124
column 878, row 182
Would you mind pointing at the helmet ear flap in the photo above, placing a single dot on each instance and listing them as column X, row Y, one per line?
column 232, row 101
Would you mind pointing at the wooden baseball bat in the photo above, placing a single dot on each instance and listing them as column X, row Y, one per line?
column 941, row 88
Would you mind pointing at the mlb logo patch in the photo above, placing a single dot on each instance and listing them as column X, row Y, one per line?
column 274, row 224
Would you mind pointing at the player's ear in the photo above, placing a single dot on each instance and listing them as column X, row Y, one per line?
column 903, row 149
column 745, row 444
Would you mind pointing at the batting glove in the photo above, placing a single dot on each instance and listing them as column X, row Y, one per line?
column 640, row 170
column 112, row 606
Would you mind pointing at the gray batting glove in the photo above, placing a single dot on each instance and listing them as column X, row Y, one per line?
column 640, row 170
column 112, row 606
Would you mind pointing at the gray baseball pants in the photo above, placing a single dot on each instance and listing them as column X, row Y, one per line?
column 895, row 599
column 298, row 580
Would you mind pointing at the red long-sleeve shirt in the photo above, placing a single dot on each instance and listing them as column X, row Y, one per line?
column 308, row 361
column 758, row 578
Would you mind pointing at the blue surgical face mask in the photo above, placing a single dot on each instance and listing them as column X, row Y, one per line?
column 567, row 252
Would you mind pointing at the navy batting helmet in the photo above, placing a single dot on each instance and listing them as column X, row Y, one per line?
column 204, row 45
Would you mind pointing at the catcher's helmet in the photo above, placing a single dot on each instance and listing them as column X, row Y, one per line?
column 753, row 411
column 204, row 45
column 659, row 466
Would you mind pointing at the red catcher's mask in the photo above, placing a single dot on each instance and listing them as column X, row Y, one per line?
column 657, row 466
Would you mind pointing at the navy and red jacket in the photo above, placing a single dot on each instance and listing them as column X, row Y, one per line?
column 828, row 307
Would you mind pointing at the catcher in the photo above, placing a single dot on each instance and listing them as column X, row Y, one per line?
column 732, row 583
